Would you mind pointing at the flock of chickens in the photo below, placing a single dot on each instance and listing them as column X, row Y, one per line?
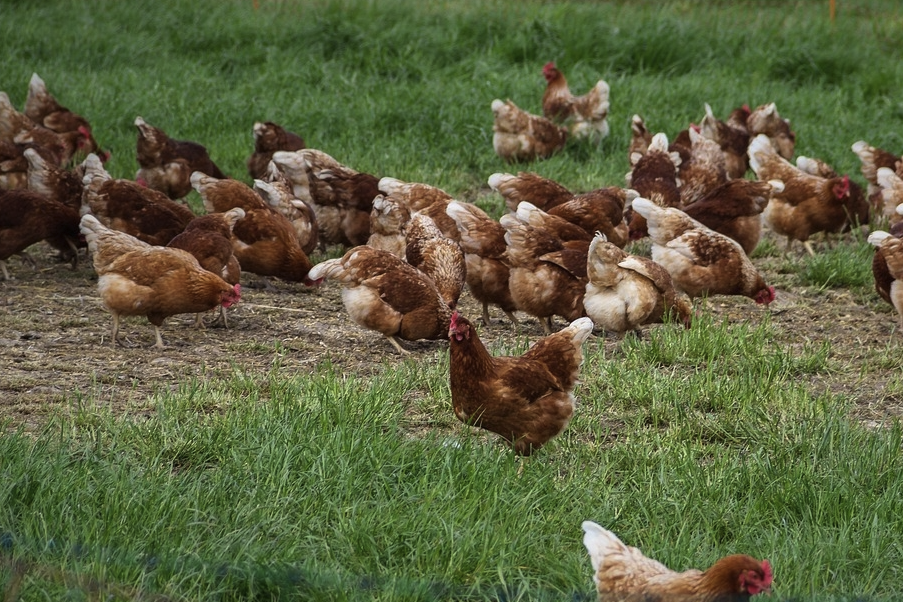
column 412, row 249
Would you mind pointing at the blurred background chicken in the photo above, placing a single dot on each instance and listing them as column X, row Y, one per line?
column 585, row 116
column 765, row 119
column 166, row 164
column 732, row 135
column 521, row 136
column 622, row 572
column 138, row 279
column 42, row 108
column 872, row 159
column 527, row 399
column 21, row 132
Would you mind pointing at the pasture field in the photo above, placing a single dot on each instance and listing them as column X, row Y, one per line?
column 295, row 456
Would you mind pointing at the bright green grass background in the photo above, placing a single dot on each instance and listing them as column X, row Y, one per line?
column 689, row 444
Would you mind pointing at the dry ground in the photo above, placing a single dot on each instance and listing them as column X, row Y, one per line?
column 55, row 345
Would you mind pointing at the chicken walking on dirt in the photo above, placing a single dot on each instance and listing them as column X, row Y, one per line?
column 623, row 573
column 527, row 400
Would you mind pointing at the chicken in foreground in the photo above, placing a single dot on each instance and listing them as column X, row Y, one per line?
column 138, row 279
column 700, row 260
column 166, row 164
column 384, row 293
column 585, row 116
column 623, row 573
column 627, row 291
column 527, row 400
column 522, row 136
column 887, row 267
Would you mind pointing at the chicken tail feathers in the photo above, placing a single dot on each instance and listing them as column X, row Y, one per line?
column 599, row 543
column 760, row 149
column 329, row 269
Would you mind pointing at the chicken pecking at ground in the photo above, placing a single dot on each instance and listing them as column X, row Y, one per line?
column 138, row 279
column 440, row 258
column 166, row 164
column 700, row 260
column 270, row 137
column 808, row 204
column 518, row 135
column 42, row 108
column 527, row 399
column 278, row 193
column 887, row 267
column 585, row 116
column 383, row 293
column 623, row 573
column 626, row 291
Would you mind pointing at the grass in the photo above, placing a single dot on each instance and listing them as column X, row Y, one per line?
column 691, row 444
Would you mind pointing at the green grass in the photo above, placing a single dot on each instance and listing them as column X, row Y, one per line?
column 691, row 444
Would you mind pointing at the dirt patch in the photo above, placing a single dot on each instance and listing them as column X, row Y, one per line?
column 55, row 341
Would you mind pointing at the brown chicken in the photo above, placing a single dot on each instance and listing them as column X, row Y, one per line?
column 625, row 291
column 388, row 225
column 808, row 203
column 558, row 227
column 264, row 242
column 521, row 136
column 42, row 108
column 872, row 159
column 166, row 164
column 735, row 209
column 765, row 119
column 623, row 573
column 585, row 116
column 700, row 260
column 547, row 278
column 137, row 279
column 483, row 242
column 654, row 176
column 530, row 187
column 209, row 239
column 527, row 400
column 600, row 210
column 703, row 170
column 640, row 137
column 60, row 185
column 146, row 214
column 270, row 137
column 18, row 128
column 887, row 267
column 422, row 198
column 440, row 258
column 341, row 197
column 889, row 196
column 385, row 294
column 856, row 204
column 27, row 217
column 277, row 191
column 732, row 136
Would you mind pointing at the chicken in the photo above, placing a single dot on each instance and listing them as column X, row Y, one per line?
column 546, row 278
column 531, row 187
column 527, row 400
column 623, row 573
column 137, row 279
column 440, row 258
column 277, row 191
column 808, row 203
column 521, row 136
column 872, row 159
column 209, row 239
column 382, row 292
column 42, row 108
column 625, row 291
column 732, row 136
column 60, row 185
column 703, row 170
column 887, row 267
column 264, row 241
column 388, row 225
column 765, row 119
column 735, row 209
column 856, row 204
column 586, row 116
column 18, row 128
column 166, row 164
column 654, row 176
column 123, row 205
column 270, row 137
column 341, row 197
column 700, row 260
column 640, row 137
column 600, row 210
column 890, row 193
column 27, row 217
column 483, row 243
column 422, row 198
column 558, row 227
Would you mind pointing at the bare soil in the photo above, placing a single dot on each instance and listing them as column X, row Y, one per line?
column 55, row 346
